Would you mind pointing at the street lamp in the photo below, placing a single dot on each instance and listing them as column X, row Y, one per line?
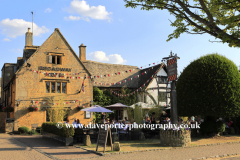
column 91, row 103
column 18, row 102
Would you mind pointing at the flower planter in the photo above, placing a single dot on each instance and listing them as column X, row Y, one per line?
column 67, row 141
column 80, row 107
column 172, row 138
column 8, row 109
column 32, row 108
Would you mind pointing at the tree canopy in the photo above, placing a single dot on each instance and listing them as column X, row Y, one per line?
column 209, row 86
column 219, row 18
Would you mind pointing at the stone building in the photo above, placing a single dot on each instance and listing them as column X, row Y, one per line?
column 47, row 76
column 0, row 87
column 53, row 76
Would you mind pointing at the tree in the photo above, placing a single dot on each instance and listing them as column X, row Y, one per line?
column 218, row 18
column 56, row 114
column 209, row 86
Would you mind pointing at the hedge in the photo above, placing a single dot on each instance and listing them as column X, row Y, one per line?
column 23, row 129
column 212, row 127
column 65, row 131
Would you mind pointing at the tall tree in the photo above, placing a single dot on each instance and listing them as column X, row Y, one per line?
column 219, row 18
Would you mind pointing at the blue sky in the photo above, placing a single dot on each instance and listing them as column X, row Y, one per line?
column 111, row 32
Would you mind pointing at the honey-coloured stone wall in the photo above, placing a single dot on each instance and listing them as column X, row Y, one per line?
column 30, row 85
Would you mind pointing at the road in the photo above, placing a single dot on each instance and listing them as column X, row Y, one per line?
column 39, row 148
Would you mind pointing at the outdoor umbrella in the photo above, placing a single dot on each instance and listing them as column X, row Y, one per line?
column 117, row 106
column 96, row 108
column 143, row 105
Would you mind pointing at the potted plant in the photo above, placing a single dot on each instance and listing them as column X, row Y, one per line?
column 8, row 109
column 80, row 107
column 32, row 108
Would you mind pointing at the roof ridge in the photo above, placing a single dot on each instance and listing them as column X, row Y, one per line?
column 108, row 63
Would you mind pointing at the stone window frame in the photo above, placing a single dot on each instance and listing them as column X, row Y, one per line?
column 55, row 55
column 50, row 82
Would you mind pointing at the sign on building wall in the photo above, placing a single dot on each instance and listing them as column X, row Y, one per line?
column 172, row 69
column 54, row 69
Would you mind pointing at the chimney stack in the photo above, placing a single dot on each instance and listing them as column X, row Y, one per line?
column 29, row 38
column 82, row 52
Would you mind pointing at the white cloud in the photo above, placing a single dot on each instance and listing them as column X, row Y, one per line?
column 18, row 27
column 48, row 10
column 93, row 12
column 6, row 39
column 100, row 56
column 76, row 18
column 116, row 59
column 16, row 50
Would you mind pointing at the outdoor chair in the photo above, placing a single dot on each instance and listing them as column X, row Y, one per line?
column 123, row 133
column 93, row 134
column 113, row 130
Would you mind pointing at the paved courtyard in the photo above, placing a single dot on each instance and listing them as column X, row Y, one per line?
column 38, row 148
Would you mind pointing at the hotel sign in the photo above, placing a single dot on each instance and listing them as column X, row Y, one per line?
column 54, row 69
column 172, row 69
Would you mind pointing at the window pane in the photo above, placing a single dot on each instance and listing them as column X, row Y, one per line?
column 162, row 80
column 58, row 59
column 58, row 87
column 64, row 87
column 53, row 87
column 162, row 96
column 47, row 87
column 53, row 59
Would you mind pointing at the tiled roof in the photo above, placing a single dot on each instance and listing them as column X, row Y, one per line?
column 112, row 73
column 28, row 52
column 20, row 62
column 148, row 74
column 107, row 74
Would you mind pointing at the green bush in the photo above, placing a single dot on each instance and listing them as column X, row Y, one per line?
column 209, row 127
column 23, row 129
column 220, row 126
column 65, row 131
column 38, row 129
column 209, row 86
column 33, row 132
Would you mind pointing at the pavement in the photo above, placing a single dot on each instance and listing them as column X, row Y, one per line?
column 18, row 147
column 181, row 154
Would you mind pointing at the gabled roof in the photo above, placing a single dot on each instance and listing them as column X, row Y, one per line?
column 58, row 31
column 148, row 74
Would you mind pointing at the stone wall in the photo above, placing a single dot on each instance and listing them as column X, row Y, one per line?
column 175, row 138
column 30, row 88
column 9, row 125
